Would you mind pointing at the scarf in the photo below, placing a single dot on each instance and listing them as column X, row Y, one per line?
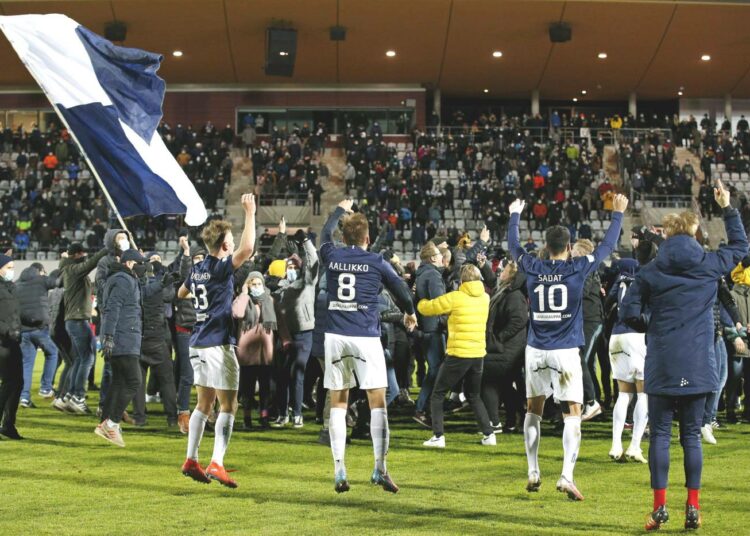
column 267, row 312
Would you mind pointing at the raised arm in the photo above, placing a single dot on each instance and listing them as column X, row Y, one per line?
column 247, row 241
column 479, row 244
column 311, row 266
column 609, row 243
column 736, row 248
column 89, row 264
column 326, row 238
column 514, row 238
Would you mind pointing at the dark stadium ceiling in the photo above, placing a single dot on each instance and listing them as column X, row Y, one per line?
column 653, row 47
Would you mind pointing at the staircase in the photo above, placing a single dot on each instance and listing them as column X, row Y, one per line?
column 241, row 182
column 611, row 164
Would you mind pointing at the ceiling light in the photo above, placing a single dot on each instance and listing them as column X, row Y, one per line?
column 177, row 53
column 486, row 90
column 706, row 57
column 390, row 53
column 679, row 93
column 283, row 53
column 497, row 54
column 575, row 99
column 583, row 92
column 602, row 55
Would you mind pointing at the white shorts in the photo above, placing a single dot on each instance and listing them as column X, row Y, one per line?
column 354, row 361
column 554, row 372
column 627, row 354
column 215, row 367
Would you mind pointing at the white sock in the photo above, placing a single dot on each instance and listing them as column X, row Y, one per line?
column 337, row 432
column 571, row 444
column 619, row 414
column 380, row 436
column 532, row 434
column 222, row 433
column 195, row 433
column 640, row 419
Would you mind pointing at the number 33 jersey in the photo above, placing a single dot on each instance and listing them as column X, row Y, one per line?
column 355, row 278
column 555, row 294
column 211, row 283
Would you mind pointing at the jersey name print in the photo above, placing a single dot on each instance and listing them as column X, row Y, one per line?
column 211, row 283
column 555, row 289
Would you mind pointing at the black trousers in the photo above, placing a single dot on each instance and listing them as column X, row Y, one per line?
column 11, row 381
column 126, row 379
column 249, row 374
column 452, row 371
column 164, row 371
column 497, row 386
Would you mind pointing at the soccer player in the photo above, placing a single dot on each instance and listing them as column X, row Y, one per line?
column 627, row 353
column 553, row 365
column 353, row 351
column 215, row 366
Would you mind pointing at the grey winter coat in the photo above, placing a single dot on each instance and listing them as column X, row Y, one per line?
column 297, row 301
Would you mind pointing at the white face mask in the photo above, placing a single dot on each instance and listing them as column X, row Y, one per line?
column 291, row 275
column 8, row 276
column 257, row 292
column 123, row 244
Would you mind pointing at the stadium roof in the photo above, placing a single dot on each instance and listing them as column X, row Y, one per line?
column 652, row 47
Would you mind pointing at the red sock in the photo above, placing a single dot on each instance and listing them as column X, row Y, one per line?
column 660, row 498
column 694, row 496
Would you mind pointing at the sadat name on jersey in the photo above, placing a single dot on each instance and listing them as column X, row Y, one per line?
column 555, row 294
column 211, row 282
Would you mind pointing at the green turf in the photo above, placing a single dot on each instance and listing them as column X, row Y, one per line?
column 65, row 480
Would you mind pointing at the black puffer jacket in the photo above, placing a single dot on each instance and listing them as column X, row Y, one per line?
column 184, row 312
column 10, row 318
column 506, row 324
column 155, row 327
column 593, row 308
column 32, row 289
column 121, row 315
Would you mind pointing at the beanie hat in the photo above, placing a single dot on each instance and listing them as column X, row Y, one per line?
column 294, row 259
column 4, row 259
column 277, row 268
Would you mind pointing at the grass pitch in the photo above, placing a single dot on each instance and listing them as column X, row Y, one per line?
column 65, row 480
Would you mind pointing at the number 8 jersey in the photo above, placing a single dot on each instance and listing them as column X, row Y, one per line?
column 555, row 289
column 211, row 283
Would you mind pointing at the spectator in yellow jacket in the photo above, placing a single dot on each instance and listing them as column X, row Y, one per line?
column 467, row 310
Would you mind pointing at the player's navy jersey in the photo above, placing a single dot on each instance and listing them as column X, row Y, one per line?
column 355, row 278
column 555, row 289
column 621, row 286
column 211, row 282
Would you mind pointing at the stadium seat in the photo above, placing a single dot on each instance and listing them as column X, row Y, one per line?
column 407, row 234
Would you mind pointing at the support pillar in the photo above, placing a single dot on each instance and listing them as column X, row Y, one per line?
column 632, row 104
column 534, row 102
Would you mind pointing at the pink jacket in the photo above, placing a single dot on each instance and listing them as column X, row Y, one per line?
column 254, row 346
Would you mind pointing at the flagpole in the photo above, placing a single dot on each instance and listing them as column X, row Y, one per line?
column 80, row 146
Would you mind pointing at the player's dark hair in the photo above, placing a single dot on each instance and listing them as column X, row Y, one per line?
column 557, row 238
column 355, row 229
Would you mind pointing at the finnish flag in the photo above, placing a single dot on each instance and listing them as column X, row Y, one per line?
column 110, row 98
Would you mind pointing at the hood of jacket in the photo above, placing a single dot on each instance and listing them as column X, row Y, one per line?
column 517, row 283
column 743, row 289
column 109, row 239
column 628, row 266
column 472, row 288
column 741, row 275
column 679, row 254
column 29, row 273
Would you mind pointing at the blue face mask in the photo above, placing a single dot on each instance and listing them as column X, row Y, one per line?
column 291, row 275
column 257, row 292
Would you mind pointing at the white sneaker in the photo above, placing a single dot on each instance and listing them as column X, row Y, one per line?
column 634, row 454
column 110, row 433
column 489, row 440
column 435, row 442
column 47, row 394
column 616, row 454
column 298, row 422
column 59, row 404
column 708, row 434
column 591, row 411
column 77, row 405
column 280, row 422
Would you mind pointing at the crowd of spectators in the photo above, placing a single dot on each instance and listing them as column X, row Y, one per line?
column 49, row 197
column 451, row 184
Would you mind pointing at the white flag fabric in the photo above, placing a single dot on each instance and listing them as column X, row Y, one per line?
column 111, row 99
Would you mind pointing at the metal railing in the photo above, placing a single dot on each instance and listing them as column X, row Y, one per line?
column 286, row 199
